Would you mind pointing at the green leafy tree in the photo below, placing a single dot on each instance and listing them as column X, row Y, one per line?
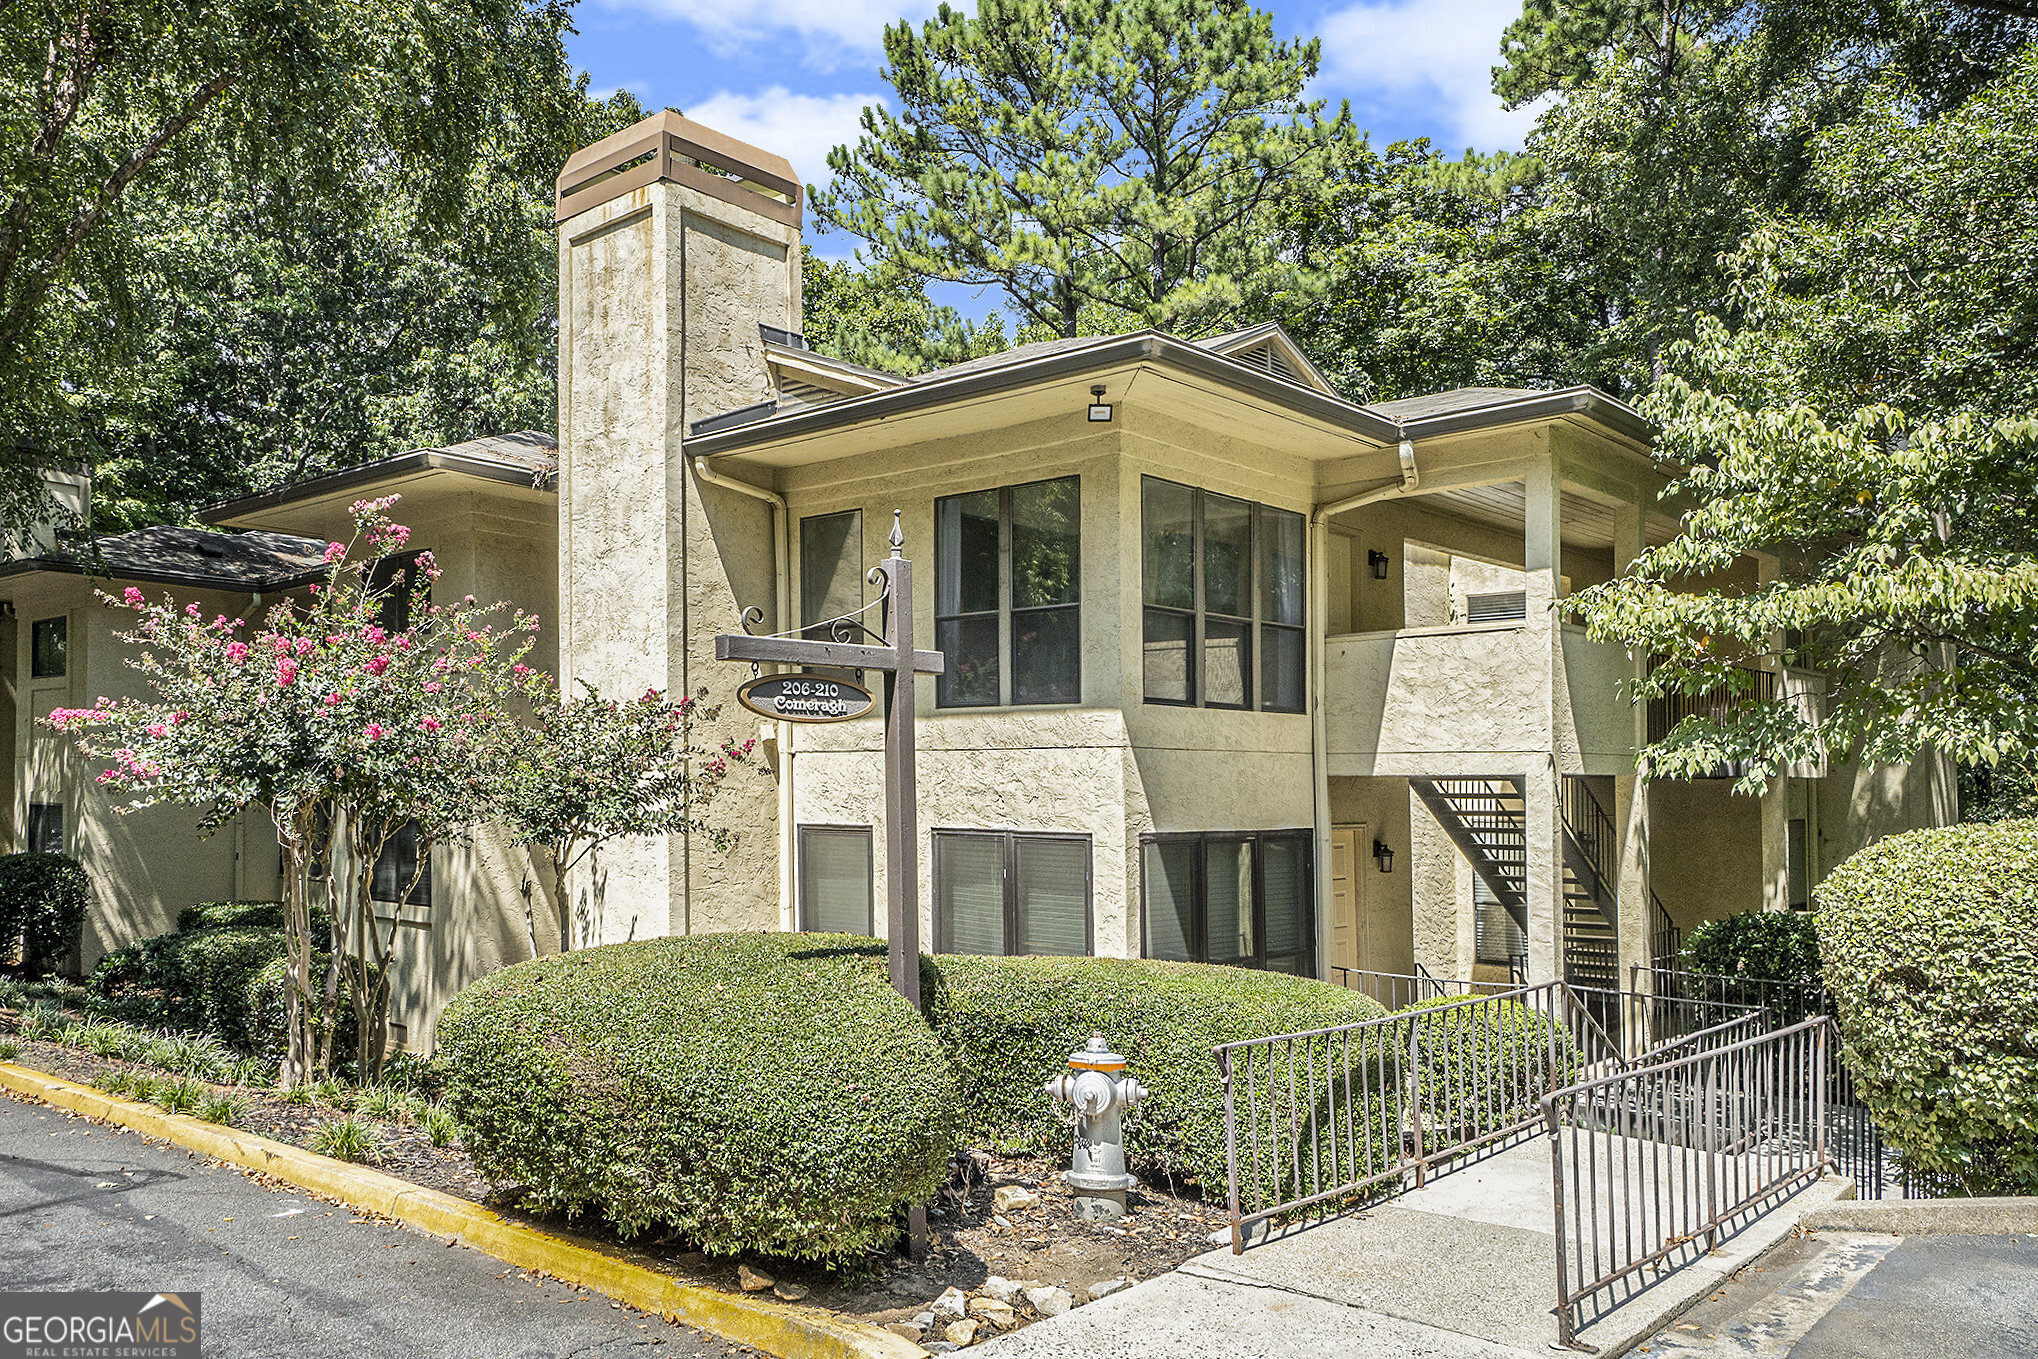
column 1870, row 422
column 881, row 317
column 346, row 732
column 586, row 770
column 1087, row 156
column 121, row 115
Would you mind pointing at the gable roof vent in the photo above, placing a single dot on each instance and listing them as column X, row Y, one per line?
column 1498, row 607
column 1268, row 359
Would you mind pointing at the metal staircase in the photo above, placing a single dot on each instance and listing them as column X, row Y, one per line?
column 1485, row 819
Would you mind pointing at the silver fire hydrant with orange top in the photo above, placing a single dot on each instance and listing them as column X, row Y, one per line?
column 1097, row 1086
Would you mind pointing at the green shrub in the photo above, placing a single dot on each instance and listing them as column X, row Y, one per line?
column 181, row 1096
column 1930, row 942
column 206, row 915
column 1778, row 945
column 379, row 1101
column 225, row 1110
column 227, row 981
column 440, row 1125
column 346, row 1139
column 765, row 1092
column 41, row 1022
column 1008, row 1024
column 9, row 1050
column 1484, row 1066
column 43, row 900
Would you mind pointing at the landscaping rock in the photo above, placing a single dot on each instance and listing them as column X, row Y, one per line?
column 993, row 1312
column 960, row 1332
column 1002, row 1288
column 905, row 1330
column 752, row 1280
column 1050, row 1302
column 940, row 1346
column 1106, row 1288
column 1011, row 1198
column 791, row 1292
column 924, row 1320
column 951, row 1305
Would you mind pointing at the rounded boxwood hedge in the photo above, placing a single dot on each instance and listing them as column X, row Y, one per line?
column 1010, row 1023
column 765, row 1092
column 1930, row 942
column 43, row 901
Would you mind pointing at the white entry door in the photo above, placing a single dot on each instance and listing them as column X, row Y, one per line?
column 1347, row 915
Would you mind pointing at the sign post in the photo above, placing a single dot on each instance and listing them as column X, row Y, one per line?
column 814, row 698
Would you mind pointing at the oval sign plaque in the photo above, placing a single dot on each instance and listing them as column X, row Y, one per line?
column 805, row 698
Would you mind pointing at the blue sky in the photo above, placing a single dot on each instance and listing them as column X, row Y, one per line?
column 792, row 75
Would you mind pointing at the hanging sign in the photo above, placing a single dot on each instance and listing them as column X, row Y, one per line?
column 805, row 698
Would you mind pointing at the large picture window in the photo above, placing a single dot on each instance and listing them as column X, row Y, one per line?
column 1010, row 892
column 835, row 880
column 1007, row 591
column 1224, row 600
column 1244, row 899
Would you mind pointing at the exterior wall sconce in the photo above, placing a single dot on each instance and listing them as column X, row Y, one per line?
column 1383, row 856
column 1100, row 409
column 1378, row 560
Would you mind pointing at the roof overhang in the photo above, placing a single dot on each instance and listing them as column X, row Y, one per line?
column 66, row 566
column 817, row 434
column 1538, row 408
column 245, row 511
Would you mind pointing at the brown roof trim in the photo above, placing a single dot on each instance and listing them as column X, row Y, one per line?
column 1107, row 352
column 1539, row 406
column 367, row 473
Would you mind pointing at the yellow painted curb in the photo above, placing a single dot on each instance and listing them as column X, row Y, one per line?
column 789, row 1332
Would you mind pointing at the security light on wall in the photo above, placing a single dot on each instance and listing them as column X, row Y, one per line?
column 1100, row 409
column 1383, row 856
column 1378, row 560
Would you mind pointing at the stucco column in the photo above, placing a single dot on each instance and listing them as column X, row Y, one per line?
column 1631, row 791
column 1542, row 810
column 1542, row 818
column 1776, row 795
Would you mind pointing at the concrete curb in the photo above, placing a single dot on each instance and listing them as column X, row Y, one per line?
column 784, row 1330
column 1927, row 1217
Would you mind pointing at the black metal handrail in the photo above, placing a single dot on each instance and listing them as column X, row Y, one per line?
column 1715, row 705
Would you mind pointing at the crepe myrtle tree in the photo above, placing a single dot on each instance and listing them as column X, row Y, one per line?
column 345, row 731
column 587, row 769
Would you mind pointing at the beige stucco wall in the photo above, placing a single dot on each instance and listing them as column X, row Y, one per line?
column 661, row 293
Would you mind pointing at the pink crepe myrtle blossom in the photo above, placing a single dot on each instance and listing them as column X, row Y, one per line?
column 158, row 730
column 305, row 646
column 332, row 700
column 433, row 686
column 335, row 551
column 286, row 672
column 376, row 665
column 373, row 634
column 373, row 731
column 430, row 724
column 132, row 596
column 191, row 610
column 236, row 652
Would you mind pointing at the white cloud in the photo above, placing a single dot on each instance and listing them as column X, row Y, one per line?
column 800, row 127
column 829, row 31
column 1411, row 50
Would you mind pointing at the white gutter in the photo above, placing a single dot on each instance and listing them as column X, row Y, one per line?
column 782, row 553
column 1319, row 739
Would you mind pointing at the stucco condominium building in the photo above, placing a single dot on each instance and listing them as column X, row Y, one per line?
column 1237, row 670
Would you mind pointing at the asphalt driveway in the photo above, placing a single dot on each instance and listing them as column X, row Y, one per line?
column 84, row 1206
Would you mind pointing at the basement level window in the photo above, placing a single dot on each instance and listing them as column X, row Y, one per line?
column 49, row 647
column 1244, row 899
column 1011, row 892
column 46, row 827
column 835, row 880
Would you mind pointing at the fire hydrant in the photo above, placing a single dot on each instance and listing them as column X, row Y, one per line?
column 1096, row 1084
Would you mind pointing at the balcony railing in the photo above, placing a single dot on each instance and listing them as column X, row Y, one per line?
column 1716, row 705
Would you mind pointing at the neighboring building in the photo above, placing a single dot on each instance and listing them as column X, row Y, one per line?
column 1238, row 670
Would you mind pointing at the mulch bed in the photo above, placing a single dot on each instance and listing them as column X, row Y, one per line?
column 1042, row 1245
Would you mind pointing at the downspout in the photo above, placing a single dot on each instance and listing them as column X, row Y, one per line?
column 783, row 600
column 1319, row 740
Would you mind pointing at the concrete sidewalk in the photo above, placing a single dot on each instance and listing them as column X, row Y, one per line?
column 1464, row 1268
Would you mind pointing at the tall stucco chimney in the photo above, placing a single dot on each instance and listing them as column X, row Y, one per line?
column 675, row 244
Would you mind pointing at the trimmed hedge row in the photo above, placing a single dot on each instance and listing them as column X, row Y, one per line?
column 1776, row 945
column 1008, row 1024
column 223, row 972
column 43, row 901
column 1930, row 941
column 762, row 1092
